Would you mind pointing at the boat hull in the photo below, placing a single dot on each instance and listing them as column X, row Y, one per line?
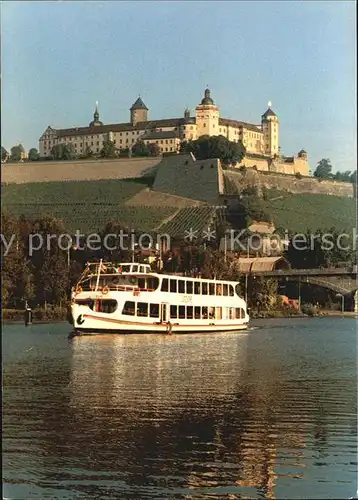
column 97, row 325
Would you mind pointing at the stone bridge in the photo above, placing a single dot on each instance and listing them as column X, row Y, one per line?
column 339, row 280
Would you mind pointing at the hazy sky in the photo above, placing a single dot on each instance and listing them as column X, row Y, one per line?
column 58, row 58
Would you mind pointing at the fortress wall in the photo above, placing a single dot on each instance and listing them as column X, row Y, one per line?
column 284, row 167
column 237, row 181
column 80, row 170
column 182, row 175
column 260, row 163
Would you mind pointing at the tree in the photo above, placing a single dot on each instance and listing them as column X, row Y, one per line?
column 63, row 152
column 16, row 152
column 319, row 249
column 88, row 153
column 17, row 272
column 324, row 169
column 353, row 177
column 343, row 176
column 154, row 149
column 140, row 149
column 51, row 274
column 4, row 154
column 262, row 293
column 215, row 147
column 109, row 150
column 33, row 154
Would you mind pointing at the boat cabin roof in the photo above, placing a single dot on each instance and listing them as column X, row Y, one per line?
column 120, row 267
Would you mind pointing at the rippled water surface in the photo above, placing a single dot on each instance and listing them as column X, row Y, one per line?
column 266, row 414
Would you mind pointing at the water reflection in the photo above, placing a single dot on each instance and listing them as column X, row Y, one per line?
column 234, row 415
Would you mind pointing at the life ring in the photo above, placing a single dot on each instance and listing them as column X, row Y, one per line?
column 78, row 289
column 105, row 290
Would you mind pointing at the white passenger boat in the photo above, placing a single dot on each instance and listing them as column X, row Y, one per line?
column 130, row 298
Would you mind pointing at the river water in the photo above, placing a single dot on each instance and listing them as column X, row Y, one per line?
column 266, row 414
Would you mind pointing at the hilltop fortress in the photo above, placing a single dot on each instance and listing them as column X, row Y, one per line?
column 260, row 140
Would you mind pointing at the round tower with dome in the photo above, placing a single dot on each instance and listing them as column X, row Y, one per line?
column 207, row 116
column 96, row 122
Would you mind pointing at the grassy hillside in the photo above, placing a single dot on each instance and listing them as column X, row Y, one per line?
column 299, row 212
column 90, row 217
column 110, row 191
column 89, row 205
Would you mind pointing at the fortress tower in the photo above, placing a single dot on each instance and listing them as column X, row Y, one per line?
column 207, row 116
column 270, row 129
column 139, row 112
column 95, row 122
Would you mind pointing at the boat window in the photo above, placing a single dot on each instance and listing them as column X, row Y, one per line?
column 204, row 288
column 85, row 302
column 142, row 309
column 134, row 269
column 152, row 284
column 197, row 312
column 231, row 313
column 115, row 281
column 125, row 269
column 129, row 308
column 219, row 289
column 173, row 311
column 189, row 312
column 142, row 283
column 231, row 290
column 211, row 288
column 240, row 313
column 219, row 313
column 107, row 306
column 182, row 312
column 189, row 287
column 141, row 269
column 225, row 290
column 197, row 287
column 181, row 286
column 238, row 289
column 154, row 310
column 165, row 285
column 204, row 312
column 173, row 286
column 211, row 312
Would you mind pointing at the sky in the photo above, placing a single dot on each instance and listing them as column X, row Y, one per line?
column 58, row 58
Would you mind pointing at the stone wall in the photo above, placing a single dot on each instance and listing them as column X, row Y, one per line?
column 182, row 175
column 79, row 170
column 235, row 182
column 278, row 165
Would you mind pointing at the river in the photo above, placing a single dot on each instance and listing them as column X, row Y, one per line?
column 271, row 413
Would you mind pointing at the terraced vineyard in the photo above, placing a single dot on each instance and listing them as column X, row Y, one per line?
column 91, row 217
column 197, row 219
column 299, row 212
column 112, row 191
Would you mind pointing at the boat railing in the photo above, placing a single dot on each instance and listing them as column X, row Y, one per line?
column 111, row 288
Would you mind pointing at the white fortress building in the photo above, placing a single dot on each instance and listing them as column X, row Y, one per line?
column 260, row 140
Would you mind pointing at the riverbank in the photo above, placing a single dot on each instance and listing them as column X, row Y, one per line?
column 348, row 314
column 317, row 313
column 39, row 315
